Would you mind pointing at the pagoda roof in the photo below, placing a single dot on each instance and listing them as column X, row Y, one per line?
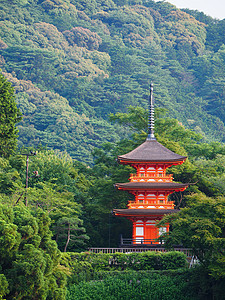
column 151, row 151
column 169, row 186
column 143, row 211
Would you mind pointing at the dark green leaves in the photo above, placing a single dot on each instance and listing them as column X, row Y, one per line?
column 9, row 117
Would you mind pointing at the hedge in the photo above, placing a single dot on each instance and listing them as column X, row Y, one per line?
column 84, row 266
column 135, row 285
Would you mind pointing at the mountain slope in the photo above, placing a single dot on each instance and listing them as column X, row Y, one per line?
column 73, row 62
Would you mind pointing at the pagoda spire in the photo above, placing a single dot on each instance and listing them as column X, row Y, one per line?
column 151, row 135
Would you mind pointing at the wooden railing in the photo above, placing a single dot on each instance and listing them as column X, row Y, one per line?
column 186, row 251
column 138, row 242
column 164, row 178
column 136, row 204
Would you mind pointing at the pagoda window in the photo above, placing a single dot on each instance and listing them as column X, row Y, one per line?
column 139, row 231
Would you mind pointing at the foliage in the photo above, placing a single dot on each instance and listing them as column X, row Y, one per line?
column 10, row 116
column 137, row 285
column 200, row 226
column 73, row 62
column 86, row 265
column 3, row 286
column 83, row 37
column 54, row 186
column 71, row 230
column 9, row 175
column 29, row 258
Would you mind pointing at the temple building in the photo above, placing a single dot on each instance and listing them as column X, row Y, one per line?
column 150, row 185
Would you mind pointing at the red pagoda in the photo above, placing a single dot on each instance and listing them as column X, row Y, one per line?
column 151, row 186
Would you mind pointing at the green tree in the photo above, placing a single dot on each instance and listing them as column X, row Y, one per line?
column 71, row 232
column 201, row 227
column 9, row 117
column 10, row 179
column 62, row 209
column 3, row 286
column 29, row 257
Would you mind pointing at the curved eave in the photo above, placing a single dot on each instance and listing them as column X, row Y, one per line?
column 151, row 151
column 158, row 161
column 130, row 186
column 143, row 212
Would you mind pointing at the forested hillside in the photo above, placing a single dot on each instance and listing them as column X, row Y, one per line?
column 73, row 62
column 60, row 204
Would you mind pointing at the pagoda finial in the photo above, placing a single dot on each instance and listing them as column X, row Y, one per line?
column 151, row 135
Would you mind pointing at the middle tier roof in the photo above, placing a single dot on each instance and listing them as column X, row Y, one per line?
column 168, row 186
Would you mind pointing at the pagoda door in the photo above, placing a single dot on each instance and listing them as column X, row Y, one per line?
column 150, row 232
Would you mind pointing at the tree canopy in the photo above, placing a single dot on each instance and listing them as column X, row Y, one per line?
column 29, row 257
column 201, row 227
column 10, row 115
column 74, row 62
column 71, row 64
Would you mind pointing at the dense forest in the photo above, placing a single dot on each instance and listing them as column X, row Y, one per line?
column 75, row 79
column 67, row 207
column 73, row 62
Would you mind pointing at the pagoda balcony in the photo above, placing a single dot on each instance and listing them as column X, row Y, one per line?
column 136, row 205
column 147, row 178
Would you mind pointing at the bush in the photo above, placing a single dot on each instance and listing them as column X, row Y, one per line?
column 134, row 285
column 86, row 265
column 173, row 260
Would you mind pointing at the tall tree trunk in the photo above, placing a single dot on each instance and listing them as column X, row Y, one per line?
column 68, row 238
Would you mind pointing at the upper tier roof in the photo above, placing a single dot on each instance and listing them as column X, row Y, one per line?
column 151, row 151
column 145, row 212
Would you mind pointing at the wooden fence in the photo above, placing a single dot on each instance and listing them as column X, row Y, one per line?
column 186, row 251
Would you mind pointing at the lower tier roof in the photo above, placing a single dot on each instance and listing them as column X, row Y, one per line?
column 143, row 212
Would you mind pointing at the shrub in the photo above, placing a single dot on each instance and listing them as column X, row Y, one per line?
column 134, row 285
column 173, row 260
column 86, row 266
